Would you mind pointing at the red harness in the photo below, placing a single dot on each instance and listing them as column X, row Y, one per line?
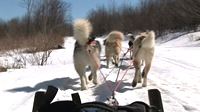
column 93, row 43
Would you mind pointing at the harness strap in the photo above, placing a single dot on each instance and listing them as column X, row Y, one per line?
column 113, row 91
column 129, row 49
column 124, row 75
column 92, row 43
column 100, row 71
column 126, row 70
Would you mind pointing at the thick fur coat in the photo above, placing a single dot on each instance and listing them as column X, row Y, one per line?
column 143, row 49
column 113, row 47
column 86, row 52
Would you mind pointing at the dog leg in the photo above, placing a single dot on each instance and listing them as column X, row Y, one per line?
column 86, row 81
column 94, row 73
column 137, row 73
column 135, row 80
column 139, row 78
column 144, row 74
column 90, row 76
column 108, row 59
column 142, row 62
column 131, row 54
column 116, row 60
column 113, row 60
column 83, row 83
column 81, row 71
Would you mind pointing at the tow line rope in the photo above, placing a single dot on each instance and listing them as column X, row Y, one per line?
column 129, row 49
column 112, row 100
column 100, row 70
column 126, row 70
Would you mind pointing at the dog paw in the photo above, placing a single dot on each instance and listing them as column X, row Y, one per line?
column 95, row 82
column 144, row 85
column 84, row 88
column 134, row 84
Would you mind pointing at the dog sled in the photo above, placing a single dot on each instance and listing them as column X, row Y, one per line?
column 43, row 103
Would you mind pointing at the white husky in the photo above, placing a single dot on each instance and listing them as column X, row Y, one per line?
column 85, row 53
column 143, row 49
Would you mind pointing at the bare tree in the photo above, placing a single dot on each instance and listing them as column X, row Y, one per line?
column 29, row 5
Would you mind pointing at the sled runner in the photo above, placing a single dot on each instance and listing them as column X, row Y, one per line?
column 42, row 103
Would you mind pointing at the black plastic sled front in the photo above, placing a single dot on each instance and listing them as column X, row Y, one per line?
column 43, row 103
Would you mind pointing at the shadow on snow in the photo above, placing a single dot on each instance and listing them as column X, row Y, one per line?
column 61, row 83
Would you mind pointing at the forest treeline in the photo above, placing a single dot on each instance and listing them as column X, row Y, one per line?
column 157, row 15
column 46, row 22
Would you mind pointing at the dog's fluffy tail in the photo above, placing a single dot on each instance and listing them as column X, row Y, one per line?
column 82, row 29
column 115, row 35
column 149, row 41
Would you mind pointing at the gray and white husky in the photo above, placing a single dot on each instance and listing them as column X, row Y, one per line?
column 86, row 52
column 143, row 49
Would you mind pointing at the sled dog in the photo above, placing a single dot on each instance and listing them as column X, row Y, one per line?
column 113, row 47
column 130, row 44
column 83, row 47
column 143, row 49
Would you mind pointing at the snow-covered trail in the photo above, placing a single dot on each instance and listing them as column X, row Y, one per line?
column 174, row 72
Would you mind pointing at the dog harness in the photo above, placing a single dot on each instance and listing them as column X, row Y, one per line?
column 92, row 43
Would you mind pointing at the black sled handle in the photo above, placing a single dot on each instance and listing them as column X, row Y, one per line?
column 42, row 98
column 155, row 99
column 76, row 98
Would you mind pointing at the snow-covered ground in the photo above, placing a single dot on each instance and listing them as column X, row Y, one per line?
column 175, row 72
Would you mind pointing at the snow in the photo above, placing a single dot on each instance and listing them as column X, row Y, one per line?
column 175, row 72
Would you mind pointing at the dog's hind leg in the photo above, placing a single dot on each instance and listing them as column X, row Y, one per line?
column 90, row 77
column 112, row 59
column 116, row 60
column 108, row 59
column 81, row 71
column 142, row 62
column 137, row 73
column 145, row 73
column 131, row 57
column 93, row 74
